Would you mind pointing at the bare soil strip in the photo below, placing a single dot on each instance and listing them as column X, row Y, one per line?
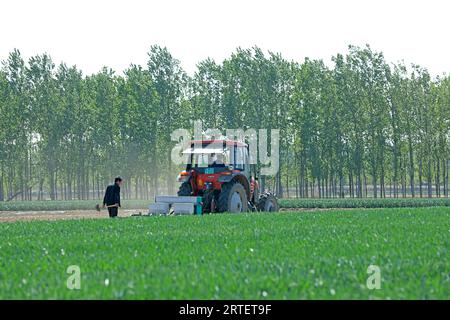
column 12, row 216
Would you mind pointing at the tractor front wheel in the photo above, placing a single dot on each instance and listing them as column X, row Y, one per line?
column 233, row 198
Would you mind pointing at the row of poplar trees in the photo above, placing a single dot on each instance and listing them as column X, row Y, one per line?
column 361, row 128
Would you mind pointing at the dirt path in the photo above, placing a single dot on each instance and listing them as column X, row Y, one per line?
column 12, row 216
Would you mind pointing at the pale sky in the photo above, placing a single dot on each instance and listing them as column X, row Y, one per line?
column 115, row 33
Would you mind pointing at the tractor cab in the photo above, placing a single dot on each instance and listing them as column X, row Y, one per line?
column 217, row 156
column 219, row 171
column 210, row 164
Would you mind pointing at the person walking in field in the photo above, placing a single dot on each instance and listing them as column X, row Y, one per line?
column 112, row 198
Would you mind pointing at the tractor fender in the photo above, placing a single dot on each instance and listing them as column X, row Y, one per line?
column 239, row 177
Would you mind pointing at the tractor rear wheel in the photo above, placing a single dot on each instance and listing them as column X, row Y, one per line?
column 268, row 203
column 233, row 198
column 185, row 189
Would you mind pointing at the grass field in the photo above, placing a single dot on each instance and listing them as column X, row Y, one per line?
column 291, row 255
column 284, row 203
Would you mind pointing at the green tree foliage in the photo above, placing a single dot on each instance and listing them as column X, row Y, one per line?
column 360, row 128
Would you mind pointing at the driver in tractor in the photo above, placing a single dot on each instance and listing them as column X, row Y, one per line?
column 217, row 160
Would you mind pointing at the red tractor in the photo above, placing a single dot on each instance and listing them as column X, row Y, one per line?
column 219, row 171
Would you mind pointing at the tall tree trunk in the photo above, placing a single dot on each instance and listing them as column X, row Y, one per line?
column 56, row 184
column 98, row 187
column 411, row 166
column 11, row 182
column 366, row 192
column 382, row 183
column 30, row 176
column 2, row 193
column 350, row 182
column 437, row 179
column 446, row 178
column 51, row 179
column 136, row 188
column 69, row 188
column 403, row 178
column 390, row 188
column 155, row 174
column 21, row 179
column 279, row 186
column 302, row 178
column 306, row 182
column 41, row 189
column 374, row 181
column 287, row 185
column 319, row 189
column 420, row 176
column 429, row 178
column 170, row 179
column 360, row 187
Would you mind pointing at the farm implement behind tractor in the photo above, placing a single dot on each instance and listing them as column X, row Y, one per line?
column 218, row 178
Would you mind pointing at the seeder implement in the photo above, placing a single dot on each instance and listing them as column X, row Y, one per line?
column 176, row 205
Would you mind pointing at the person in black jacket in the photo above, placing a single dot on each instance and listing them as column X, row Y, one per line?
column 112, row 198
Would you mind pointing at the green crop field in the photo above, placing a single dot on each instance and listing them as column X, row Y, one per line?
column 365, row 203
column 250, row 256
